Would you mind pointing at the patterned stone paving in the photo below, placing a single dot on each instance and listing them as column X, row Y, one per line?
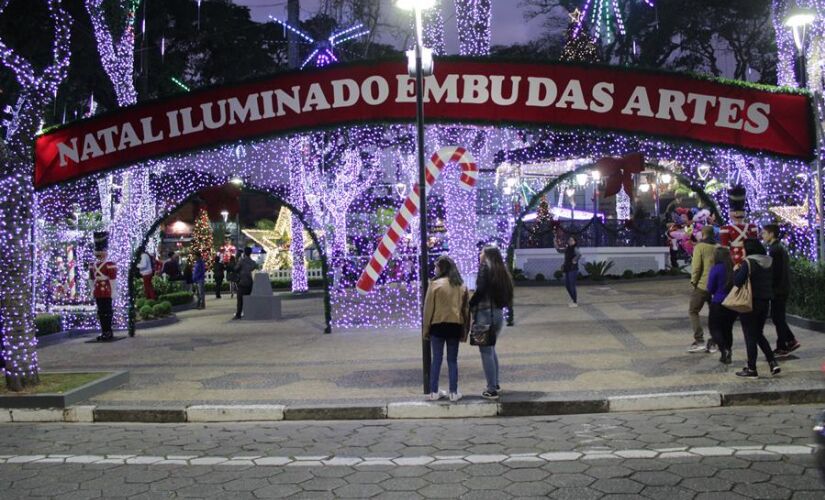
column 748, row 452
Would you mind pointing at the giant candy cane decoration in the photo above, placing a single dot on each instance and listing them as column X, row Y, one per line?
column 385, row 250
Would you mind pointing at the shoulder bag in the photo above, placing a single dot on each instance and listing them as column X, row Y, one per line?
column 740, row 298
column 483, row 335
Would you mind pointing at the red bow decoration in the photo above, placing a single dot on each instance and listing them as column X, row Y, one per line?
column 618, row 173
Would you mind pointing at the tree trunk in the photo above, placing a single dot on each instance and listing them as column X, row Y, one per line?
column 18, row 329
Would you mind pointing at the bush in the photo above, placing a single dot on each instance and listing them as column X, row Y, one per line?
column 598, row 270
column 518, row 275
column 558, row 274
column 807, row 294
column 162, row 309
column 146, row 312
column 47, row 323
column 176, row 298
column 628, row 274
column 139, row 303
column 167, row 308
column 540, row 277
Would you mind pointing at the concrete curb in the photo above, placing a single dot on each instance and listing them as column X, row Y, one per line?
column 468, row 408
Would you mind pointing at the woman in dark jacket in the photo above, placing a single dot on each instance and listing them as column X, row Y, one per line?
column 494, row 292
column 757, row 268
column 570, row 268
column 721, row 319
column 219, row 271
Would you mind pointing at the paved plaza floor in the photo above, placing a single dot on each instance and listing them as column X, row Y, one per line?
column 626, row 338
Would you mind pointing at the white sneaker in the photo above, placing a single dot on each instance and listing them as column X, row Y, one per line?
column 455, row 396
column 572, row 304
column 435, row 396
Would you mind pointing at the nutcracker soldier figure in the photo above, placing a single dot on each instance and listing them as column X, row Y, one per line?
column 102, row 274
column 733, row 235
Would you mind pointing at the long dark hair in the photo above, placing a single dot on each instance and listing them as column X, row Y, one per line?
column 722, row 256
column 445, row 267
column 500, row 283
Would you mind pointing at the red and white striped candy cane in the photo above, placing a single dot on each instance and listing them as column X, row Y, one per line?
column 385, row 250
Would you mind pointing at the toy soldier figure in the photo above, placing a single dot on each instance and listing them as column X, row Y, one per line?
column 103, row 274
column 734, row 234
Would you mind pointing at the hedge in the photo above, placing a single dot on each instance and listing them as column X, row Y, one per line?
column 175, row 298
column 47, row 323
column 807, row 294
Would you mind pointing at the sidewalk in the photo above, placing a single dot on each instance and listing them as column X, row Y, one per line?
column 625, row 339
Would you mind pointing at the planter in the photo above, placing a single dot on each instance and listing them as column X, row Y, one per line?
column 68, row 398
column 184, row 307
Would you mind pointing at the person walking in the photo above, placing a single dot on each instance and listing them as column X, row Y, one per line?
column 232, row 276
column 756, row 267
column 701, row 262
column 219, row 272
column 244, row 268
column 199, row 280
column 446, row 322
column 786, row 343
column 146, row 268
column 570, row 268
column 721, row 319
column 494, row 292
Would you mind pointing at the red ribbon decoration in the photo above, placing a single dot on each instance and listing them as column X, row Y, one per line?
column 618, row 173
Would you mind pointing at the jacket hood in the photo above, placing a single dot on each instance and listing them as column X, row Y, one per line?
column 764, row 261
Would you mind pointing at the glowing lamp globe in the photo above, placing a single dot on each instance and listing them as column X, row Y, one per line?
column 581, row 179
column 596, row 175
column 415, row 4
column 666, row 178
column 644, row 188
column 798, row 19
column 570, row 192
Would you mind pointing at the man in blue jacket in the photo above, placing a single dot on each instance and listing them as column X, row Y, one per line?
column 199, row 280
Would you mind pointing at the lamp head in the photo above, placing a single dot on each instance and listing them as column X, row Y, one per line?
column 415, row 4
column 799, row 17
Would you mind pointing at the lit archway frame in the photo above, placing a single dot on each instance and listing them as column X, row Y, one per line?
column 567, row 176
column 133, row 274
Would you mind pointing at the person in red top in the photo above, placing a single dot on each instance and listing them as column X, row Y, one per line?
column 103, row 274
column 733, row 235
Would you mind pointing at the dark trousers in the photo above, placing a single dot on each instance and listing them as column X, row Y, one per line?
column 720, row 324
column 674, row 254
column 753, row 324
column 570, row 283
column 218, row 285
column 242, row 290
column 784, row 335
column 104, row 314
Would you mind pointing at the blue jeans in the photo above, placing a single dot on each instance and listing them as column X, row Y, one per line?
column 570, row 283
column 489, row 358
column 437, row 345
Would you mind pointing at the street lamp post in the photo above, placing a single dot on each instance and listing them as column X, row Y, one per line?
column 423, row 267
column 798, row 20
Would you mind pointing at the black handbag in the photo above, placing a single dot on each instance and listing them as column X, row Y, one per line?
column 483, row 335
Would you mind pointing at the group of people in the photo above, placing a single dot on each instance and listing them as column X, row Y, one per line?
column 739, row 260
column 226, row 266
column 450, row 312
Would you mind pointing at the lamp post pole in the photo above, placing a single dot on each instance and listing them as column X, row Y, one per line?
column 423, row 265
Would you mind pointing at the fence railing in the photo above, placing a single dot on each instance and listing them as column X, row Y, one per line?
column 279, row 275
column 594, row 233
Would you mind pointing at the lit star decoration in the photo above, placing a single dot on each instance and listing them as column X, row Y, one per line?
column 17, row 205
column 602, row 15
column 323, row 52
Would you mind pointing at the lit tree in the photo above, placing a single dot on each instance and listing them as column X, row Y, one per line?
column 17, row 197
column 542, row 224
column 202, row 238
column 117, row 55
column 580, row 46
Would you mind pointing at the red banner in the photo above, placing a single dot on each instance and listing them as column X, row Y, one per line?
column 461, row 91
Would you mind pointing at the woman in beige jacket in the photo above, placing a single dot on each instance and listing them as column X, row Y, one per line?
column 446, row 321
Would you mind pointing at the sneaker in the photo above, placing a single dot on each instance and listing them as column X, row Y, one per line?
column 498, row 389
column 489, row 394
column 725, row 357
column 794, row 346
column 747, row 373
column 572, row 304
column 775, row 370
column 455, row 396
column 435, row 396
column 711, row 347
column 697, row 347
column 780, row 352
